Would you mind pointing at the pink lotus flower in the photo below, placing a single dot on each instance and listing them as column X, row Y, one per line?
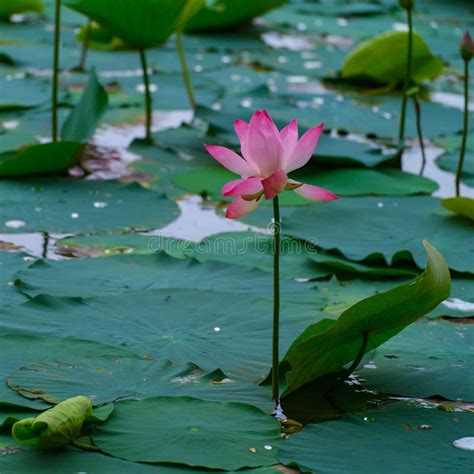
column 268, row 155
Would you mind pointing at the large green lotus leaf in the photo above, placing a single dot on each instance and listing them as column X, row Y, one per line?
column 14, row 139
column 374, row 116
column 401, row 435
column 463, row 206
column 211, row 329
column 449, row 162
column 14, row 459
column 20, row 350
column 24, row 93
column 143, row 24
column 55, row 427
column 106, row 245
column 428, row 359
column 48, row 158
column 192, row 7
column 109, row 378
column 10, row 263
column 135, row 273
column 331, row 151
column 99, row 38
column 192, row 432
column 223, row 14
column 383, row 59
column 81, row 123
column 299, row 259
column 387, row 227
column 327, row 345
column 66, row 205
column 337, row 296
column 11, row 7
column 343, row 182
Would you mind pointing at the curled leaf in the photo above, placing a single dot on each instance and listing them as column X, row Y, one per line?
column 382, row 60
column 56, row 427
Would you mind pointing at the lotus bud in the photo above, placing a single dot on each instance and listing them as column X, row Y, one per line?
column 467, row 47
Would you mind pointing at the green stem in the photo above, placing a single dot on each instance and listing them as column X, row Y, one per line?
column 148, row 97
column 54, row 101
column 86, row 447
column 420, row 134
column 464, row 133
column 185, row 69
column 276, row 301
column 85, row 47
column 401, row 132
column 355, row 364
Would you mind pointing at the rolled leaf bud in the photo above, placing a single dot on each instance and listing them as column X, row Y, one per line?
column 407, row 4
column 467, row 47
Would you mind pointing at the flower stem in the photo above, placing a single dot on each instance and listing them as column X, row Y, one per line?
column 401, row 132
column 185, row 69
column 86, row 447
column 54, row 98
column 148, row 97
column 85, row 48
column 464, row 133
column 276, row 300
column 420, row 134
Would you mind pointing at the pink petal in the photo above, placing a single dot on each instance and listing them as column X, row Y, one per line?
column 240, row 207
column 242, row 187
column 274, row 184
column 230, row 160
column 242, row 131
column 289, row 138
column 315, row 193
column 304, row 149
column 264, row 144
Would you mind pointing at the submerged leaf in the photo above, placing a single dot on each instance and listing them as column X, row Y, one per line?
column 383, row 58
column 327, row 345
column 56, row 427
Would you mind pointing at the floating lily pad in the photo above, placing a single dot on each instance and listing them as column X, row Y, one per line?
column 104, row 245
column 11, row 262
column 110, row 378
column 424, row 436
column 134, row 273
column 70, row 206
column 426, row 359
column 387, row 227
column 24, row 93
column 211, row 329
column 226, row 436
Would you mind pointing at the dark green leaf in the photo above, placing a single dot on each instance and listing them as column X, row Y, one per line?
column 82, row 122
column 326, row 346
